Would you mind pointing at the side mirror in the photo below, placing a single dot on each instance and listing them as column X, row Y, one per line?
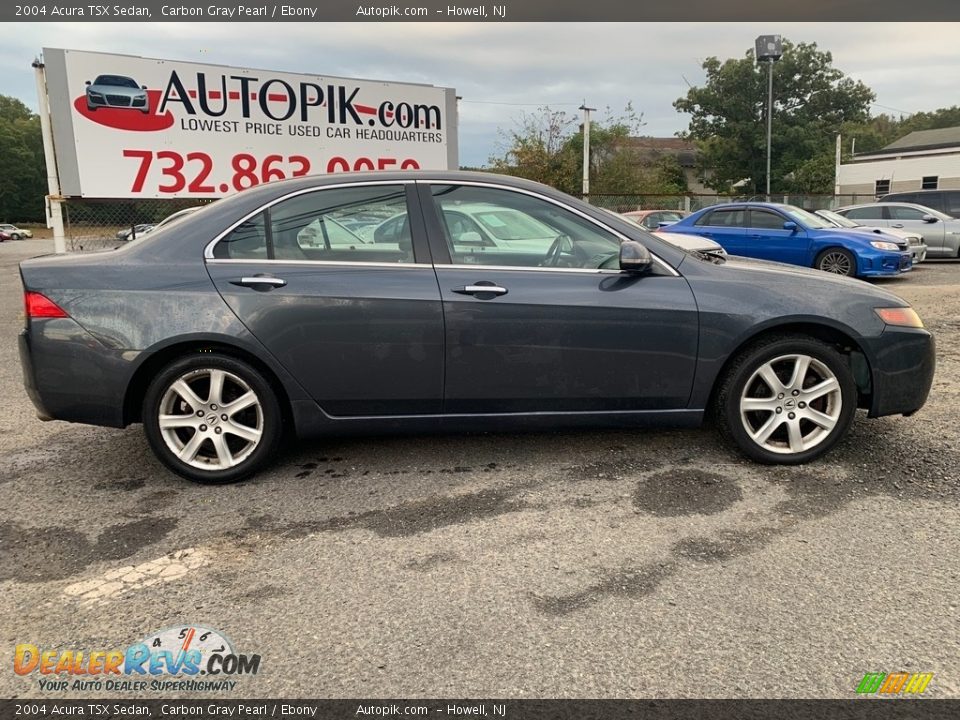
column 790, row 225
column 143, row 87
column 87, row 82
column 929, row 219
column 634, row 257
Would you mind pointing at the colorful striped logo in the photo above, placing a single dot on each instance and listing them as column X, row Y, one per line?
column 894, row 683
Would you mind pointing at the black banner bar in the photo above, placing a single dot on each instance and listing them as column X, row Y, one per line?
column 478, row 11
column 855, row 709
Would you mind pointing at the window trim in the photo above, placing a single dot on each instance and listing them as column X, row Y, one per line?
column 523, row 191
column 767, row 211
column 208, row 248
column 417, row 182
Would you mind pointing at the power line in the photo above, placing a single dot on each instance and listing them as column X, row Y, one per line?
column 887, row 107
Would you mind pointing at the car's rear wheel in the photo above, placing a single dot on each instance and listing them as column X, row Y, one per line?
column 787, row 400
column 212, row 418
column 14, row 236
column 837, row 261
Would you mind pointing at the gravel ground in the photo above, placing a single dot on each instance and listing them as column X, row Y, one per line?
column 587, row 564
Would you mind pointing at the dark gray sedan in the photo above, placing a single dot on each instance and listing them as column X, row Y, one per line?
column 225, row 331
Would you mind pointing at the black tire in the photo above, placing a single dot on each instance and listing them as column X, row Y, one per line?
column 732, row 423
column 838, row 261
column 265, row 416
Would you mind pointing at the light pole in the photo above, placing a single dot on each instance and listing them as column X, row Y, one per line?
column 769, row 50
column 586, row 150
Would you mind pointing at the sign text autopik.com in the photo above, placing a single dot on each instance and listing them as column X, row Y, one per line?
column 279, row 100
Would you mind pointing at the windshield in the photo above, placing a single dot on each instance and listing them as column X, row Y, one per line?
column 808, row 219
column 512, row 225
column 116, row 81
column 838, row 219
column 936, row 213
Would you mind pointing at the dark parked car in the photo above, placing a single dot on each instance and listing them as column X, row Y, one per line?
column 945, row 201
column 221, row 333
column 788, row 234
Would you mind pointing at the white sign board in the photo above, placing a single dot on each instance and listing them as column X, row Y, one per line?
column 132, row 127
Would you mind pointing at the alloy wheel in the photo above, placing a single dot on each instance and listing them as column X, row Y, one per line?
column 211, row 419
column 791, row 404
column 837, row 263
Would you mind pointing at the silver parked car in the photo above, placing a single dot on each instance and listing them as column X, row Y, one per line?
column 918, row 248
column 117, row 91
column 940, row 232
column 14, row 232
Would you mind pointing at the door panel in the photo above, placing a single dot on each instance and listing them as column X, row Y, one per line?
column 767, row 239
column 567, row 341
column 727, row 226
column 363, row 336
column 534, row 325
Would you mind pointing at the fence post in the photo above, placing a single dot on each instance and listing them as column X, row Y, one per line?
column 686, row 203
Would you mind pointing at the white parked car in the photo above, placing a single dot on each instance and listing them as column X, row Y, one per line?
column 14, row 232
column 918, row 248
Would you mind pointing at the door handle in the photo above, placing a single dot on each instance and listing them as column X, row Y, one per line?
column 897, row 225
column 258, row 280
column 490, row 289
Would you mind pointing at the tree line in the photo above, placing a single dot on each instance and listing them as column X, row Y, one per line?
column 23, row 175
column 813, row 103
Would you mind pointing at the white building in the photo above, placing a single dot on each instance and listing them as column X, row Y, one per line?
column 923, row 160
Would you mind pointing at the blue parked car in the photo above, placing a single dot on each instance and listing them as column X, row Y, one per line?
column 788, row 234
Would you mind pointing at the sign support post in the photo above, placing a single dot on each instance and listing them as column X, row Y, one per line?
column 54, row 199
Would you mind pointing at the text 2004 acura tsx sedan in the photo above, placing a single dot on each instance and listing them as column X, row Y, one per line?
column 223, row 329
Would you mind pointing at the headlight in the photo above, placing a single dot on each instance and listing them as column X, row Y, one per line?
column 901, row 317
column 881, row 245
column 96, row 94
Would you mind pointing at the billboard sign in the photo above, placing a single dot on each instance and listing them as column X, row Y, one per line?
column 133, row 127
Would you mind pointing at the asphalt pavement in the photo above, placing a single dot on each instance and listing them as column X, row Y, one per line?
column 575, row 564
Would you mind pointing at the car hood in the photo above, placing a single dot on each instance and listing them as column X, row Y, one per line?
column 893, row 232
column 850, row 234
column 763, row 271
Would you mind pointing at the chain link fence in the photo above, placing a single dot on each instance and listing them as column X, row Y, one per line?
column 692, row 203
column 105, row 224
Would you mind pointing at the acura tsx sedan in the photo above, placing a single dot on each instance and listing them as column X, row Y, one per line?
column 226, row 329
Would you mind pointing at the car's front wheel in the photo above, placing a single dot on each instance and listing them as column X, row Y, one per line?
column 212, row 418
column 15, row 236
column 787, row 400
column 837, row 261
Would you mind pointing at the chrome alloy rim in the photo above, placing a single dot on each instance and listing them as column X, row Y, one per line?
column 791, row 404
column 837, row 263
column 211, row 419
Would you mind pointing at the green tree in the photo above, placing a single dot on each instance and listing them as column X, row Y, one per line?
column 547, row 146
column 812, row 102
column 22, row 170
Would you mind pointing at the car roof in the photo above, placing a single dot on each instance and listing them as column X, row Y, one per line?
column 915, row 206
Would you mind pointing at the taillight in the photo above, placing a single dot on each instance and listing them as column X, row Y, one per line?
column 40, row 306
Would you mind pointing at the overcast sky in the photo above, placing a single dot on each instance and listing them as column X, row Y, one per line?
column 504, row 69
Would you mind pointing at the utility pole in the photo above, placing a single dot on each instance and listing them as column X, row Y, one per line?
column 586, row 149
column 769, row 49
